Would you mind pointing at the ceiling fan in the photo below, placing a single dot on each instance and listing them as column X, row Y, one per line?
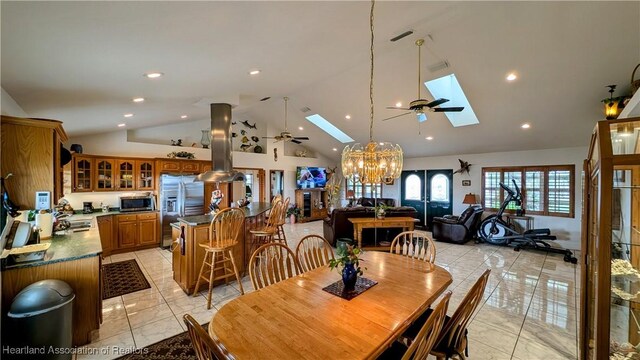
column 419, row 106
column 286, row 135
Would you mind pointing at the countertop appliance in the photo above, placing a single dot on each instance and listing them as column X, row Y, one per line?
column 180, row 195
column 87, row 207
column 137, row 203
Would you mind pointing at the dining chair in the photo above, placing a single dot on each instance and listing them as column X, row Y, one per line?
column 266, row 234
column 313, row 251
column 452, row 341
column 272, row 263
column 223, row 237
column 206, row 347
column 280, row 235
column 415, row 244
column 426, row 337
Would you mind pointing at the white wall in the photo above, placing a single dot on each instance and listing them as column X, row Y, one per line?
column 116, row 144
column 8, row 106
column 566, row 229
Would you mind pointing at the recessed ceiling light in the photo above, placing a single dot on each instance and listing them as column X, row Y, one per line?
column 429, row 138
column 153, row 75
column 183, row 117
column 334, row 149
column 138, row 100
column 128, row 115
column 254, row 72
column 300, row 128
column 525, row 126
column 347, row 117
column 122, row 125
column 512, row 77
column 398, row 104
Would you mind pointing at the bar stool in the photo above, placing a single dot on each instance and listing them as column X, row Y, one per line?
column 280, row 235
column 266, row 234
column 223, row 237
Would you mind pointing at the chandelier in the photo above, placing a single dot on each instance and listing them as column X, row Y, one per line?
column 375, row 162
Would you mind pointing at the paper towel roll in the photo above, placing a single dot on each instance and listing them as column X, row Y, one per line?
column 45, row 223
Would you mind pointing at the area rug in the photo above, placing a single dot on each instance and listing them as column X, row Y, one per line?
column 177, row 347
column 121, row 278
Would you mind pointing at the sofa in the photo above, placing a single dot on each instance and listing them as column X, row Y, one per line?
column 457, row 229
column 365, row 201
column 337, row 224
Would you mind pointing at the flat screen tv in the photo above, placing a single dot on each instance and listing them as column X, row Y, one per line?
column 309, row 177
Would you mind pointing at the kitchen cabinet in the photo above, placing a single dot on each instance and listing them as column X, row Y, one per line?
column 190, row 166
column 126, row 175
column 147, row 229
column 136, row 232
column 145, row 178
column 83, row 174
column 105, row 175
column 169, row 166
column 127, row 231
column 105, row 228
column 31, row 151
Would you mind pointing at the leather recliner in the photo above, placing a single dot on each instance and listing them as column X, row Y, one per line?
column 458, row 229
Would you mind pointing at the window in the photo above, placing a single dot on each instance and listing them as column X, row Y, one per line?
column 413, row 188
column 546, row 190
column 361, row 190
column 440, row 188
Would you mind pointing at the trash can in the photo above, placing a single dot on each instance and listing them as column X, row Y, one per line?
column 40, row 318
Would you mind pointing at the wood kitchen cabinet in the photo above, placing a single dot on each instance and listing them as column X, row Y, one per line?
column 126, row 174
column 136, row 232
column 147, row 229
column 145, row 179
column 105, row 227
column 105, row 175
column 127, row 231
column 83, row 174
column 99, row 173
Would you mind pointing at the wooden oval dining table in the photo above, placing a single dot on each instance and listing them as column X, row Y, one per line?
column 296, row 319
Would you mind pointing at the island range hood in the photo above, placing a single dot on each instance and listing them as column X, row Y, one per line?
column 221, row 151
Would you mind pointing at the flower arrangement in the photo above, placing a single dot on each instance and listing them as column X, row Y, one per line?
column 295, row 211
column 347, row 255
column 381, row 210
column 334, row 189
column 181, row 155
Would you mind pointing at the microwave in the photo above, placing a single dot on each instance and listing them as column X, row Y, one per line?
column 137, row 203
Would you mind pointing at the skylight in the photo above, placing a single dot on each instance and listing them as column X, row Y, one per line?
column 329, row 128
column 448, row 87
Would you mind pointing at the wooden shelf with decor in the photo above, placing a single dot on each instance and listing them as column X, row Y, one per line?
column 609, row 310
column 312, row 204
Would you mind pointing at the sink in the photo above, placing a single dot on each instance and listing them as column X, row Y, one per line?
column 80, row 224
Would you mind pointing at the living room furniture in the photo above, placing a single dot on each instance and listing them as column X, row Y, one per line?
column 609, row 298
column 223, row 237
column 313, row 251
column 271, row 264
column 415, row 244
column 337, row 224
column 457, row 229
column 405, row 223
column 312, row 203
column 317, row 331
column 371, row 202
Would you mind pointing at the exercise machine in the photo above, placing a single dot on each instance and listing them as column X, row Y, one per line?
column 495, row 230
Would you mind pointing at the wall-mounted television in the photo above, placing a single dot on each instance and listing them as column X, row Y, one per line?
column 309, row 177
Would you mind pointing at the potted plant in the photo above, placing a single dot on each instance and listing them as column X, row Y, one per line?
column 381, row 210
column 348, row 258
column 294, row 213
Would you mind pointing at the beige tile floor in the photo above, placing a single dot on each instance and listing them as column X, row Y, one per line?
column 529, row 310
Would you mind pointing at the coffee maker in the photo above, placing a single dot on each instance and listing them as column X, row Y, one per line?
column 87, row 207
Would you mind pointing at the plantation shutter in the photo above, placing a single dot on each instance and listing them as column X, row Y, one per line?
column 559, row 192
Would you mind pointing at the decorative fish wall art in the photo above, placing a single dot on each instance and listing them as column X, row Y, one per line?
column 246, row 123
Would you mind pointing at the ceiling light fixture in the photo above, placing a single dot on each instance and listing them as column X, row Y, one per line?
column 348, row 117
column 153, row 75
column 183, row 116
column 372, row 163
column 138, row 100
column 128, row 115
column 398, row 104
column 254, row 72
column 335, row 149
column 512, row 77
column 429, row 138
column 525, row 126
column 300, row 128
column 122, row 125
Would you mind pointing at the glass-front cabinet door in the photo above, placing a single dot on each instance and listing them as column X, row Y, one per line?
column 126, row 171
column 83, row 174
column 105, row 175
column 145, row 175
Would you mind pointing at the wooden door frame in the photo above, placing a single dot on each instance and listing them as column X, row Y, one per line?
column 261, row 179
column 271, row 171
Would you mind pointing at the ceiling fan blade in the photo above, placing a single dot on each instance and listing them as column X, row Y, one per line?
column 422, row 117
column 296, row 141
column 268, row 137
column 436, row 102
column 393, row 117
column 301, row 138
column 448, row 109
column 396, row 108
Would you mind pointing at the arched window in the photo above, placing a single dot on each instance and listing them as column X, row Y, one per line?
column 413, row 188
column 440, row 188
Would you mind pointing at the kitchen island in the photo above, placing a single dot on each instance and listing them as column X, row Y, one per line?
column 74, row 258
column 187, row 261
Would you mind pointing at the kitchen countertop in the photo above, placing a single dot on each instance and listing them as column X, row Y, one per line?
column 253, row 209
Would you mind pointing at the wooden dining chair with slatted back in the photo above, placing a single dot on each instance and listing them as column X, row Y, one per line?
column 272, row 263
column 223, row 237
column 266, row 233
column 414, row 244
column 313, row 251
column 453, row 338
column 206, row 347
column 425, row 339
column 280, row 235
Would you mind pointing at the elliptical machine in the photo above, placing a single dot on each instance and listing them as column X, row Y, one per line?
column 495, row 230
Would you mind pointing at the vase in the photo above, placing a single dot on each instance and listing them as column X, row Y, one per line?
column 380, row 216
column 292, row 219
column 206, row 139
column 349, row 276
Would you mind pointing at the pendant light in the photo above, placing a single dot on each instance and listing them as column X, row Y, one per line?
column 375, row 162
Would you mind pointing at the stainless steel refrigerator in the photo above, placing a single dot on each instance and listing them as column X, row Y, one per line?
column 180, row 196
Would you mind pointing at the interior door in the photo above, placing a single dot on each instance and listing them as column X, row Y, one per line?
column 439, row 194
column 412, row 192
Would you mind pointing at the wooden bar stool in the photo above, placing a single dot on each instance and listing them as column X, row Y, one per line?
column 223, row 237
column 280, row 235
column 266, row 234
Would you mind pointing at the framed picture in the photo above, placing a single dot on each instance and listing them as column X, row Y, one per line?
column 466, row 182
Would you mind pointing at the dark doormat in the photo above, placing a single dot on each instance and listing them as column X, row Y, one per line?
column 177, row 347
column 121, row 278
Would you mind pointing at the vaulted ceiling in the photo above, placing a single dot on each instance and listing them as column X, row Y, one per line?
column 82, row 63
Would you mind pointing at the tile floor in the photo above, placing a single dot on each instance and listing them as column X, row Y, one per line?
column 530, row 308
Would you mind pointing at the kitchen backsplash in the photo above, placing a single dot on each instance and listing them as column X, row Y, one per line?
column 111, row 198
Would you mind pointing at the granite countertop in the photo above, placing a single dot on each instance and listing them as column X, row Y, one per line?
column 253, row 209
